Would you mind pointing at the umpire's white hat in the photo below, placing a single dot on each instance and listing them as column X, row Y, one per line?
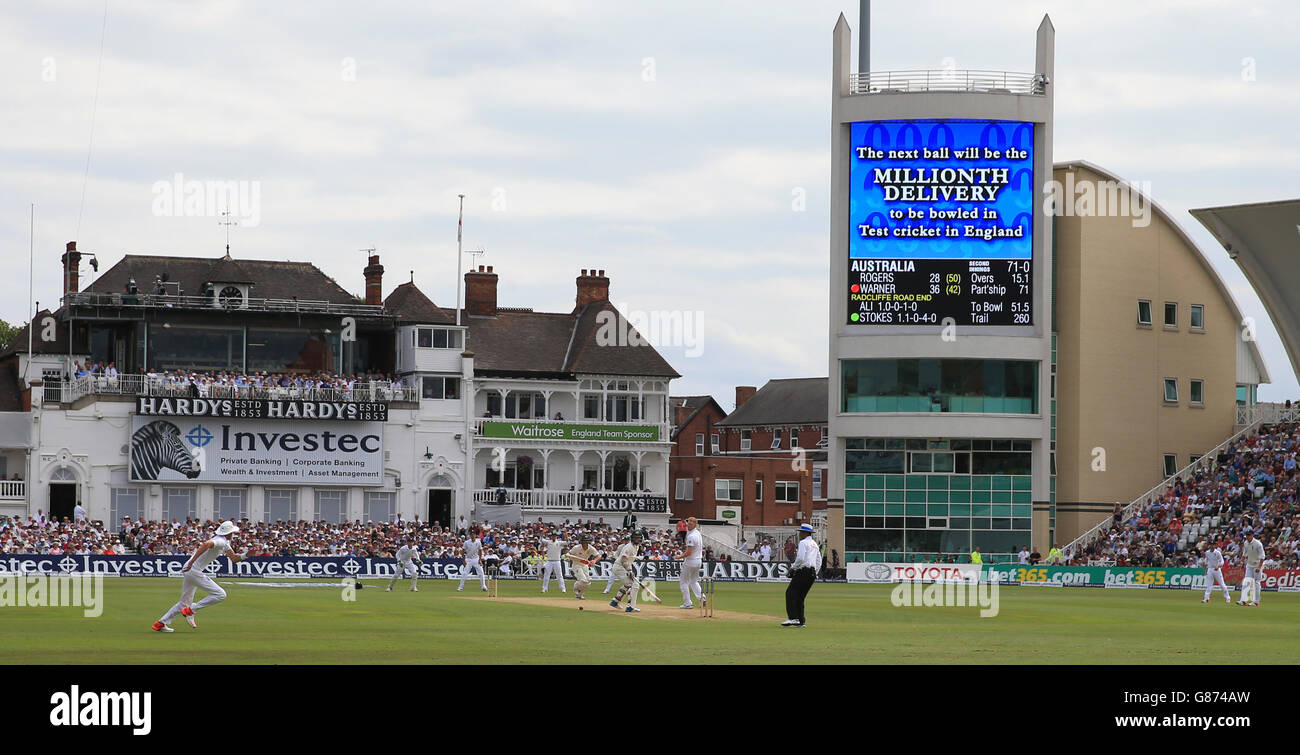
column 226, row 528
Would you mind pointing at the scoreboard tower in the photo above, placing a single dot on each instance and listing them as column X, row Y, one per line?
column 941, row 337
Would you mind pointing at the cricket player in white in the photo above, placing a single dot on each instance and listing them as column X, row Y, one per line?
column 692, row 562
column 473, row 547
column 1214, row 574
column 582, row 556
column 407, row 558
column 554, row 549
column 195, row 579
column 610, row 583
column 624, row 571
column 1252, row 552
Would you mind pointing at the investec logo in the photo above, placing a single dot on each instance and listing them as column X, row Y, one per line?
column 77, row 708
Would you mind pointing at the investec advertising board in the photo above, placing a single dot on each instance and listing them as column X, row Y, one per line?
column 233, row 441
column 941, row 222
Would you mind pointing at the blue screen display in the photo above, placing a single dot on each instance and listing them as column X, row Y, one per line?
column 941, row 190
column 941, row 223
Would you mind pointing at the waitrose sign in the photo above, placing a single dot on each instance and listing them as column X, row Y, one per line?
column 558, row 431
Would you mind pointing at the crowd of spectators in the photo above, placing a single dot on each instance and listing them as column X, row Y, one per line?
column 80, row 538
column 274, row 385
column 1252, row 483
column 520, row 542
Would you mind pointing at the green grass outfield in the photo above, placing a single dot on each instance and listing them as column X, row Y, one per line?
column 847, row 624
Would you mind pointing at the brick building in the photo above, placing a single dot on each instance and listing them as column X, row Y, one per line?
column 762, row 465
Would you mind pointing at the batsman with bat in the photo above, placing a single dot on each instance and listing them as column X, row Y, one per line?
column 582, row 556
column 624, row 572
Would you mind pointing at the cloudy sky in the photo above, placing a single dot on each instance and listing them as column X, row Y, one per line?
column 666, row 143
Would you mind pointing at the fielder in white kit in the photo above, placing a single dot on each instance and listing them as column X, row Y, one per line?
column 196, row 579
column 407, row 558
column 473, row 547
column 554, row 550
column 692, row 562
column 1214, row 574
column 1252, row 552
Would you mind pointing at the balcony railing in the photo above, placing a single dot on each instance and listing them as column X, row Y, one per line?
column 164, row 301
column 548, row 500
column 912, row 82
column 67, row 391
column 13, row 490
column 1268, row 414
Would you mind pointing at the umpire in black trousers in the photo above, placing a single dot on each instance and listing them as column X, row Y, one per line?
column 803, row 572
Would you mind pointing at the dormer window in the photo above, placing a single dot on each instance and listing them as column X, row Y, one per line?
column 226, row 295
column 230, row 297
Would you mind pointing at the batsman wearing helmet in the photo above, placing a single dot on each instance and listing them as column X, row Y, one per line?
column 581, row 557
column 624, row 572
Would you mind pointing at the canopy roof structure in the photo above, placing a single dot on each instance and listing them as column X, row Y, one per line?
column 1264, row 240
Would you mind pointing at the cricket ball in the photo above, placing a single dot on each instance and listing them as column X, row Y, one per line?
column 579, row 608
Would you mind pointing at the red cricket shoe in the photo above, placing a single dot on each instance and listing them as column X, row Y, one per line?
column 158, row 626
column 188, row 613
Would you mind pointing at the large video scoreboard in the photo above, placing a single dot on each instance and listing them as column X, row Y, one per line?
column 941, row 223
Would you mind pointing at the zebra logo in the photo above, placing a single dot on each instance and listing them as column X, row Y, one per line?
column 157, row 446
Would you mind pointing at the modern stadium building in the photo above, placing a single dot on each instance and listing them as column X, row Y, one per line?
column 1009, row 357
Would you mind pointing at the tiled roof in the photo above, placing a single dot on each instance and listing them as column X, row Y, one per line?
column 695, row 404
column 58, row 346
column 791, row 401
column 412, row 306
column 524, row 342
column 270, row 279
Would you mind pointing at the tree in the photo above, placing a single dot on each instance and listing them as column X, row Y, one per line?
column 7, row 334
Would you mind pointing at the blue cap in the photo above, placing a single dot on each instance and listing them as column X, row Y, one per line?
column 805, row 528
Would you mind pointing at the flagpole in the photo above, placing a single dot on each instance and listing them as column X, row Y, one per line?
column 31, row 292
column 460, row 219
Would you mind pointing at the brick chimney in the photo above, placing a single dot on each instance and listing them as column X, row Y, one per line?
column 680, row 413
column 593, row 286
column 374, row 273
column 481, row 292
column 744, row 393
column 71, row 260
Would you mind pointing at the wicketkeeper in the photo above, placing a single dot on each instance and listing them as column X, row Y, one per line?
column 582, row 556
column 408, row 558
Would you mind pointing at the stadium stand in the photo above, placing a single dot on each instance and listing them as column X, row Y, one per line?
column 1252, row 482
column 304, row 538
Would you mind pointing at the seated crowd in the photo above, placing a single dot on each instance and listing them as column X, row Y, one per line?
column 228, row 384
column 521, row 542
column 1252, row 484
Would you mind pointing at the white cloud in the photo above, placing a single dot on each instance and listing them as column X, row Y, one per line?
column 679, row 187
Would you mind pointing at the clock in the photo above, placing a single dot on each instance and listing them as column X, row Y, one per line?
column 230, row 297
